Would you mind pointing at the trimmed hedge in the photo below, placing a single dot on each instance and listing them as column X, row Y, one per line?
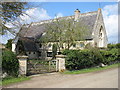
column 10, row 63
column 111, row 56
column 113, row 46
column 80, row 59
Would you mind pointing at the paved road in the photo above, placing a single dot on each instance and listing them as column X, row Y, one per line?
column 101, row 79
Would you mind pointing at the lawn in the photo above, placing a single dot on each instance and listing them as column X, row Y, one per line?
column 91, row 69
column 11, row 80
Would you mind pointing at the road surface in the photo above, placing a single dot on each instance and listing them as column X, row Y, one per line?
column 101, row 79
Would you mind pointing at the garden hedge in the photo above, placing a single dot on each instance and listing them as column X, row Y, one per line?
column 79, row 59
column 10, row 63
column 111, row 56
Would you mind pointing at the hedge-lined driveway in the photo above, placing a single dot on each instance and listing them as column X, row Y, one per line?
column 102, row 79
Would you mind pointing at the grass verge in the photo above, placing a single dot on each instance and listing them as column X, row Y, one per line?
column 11, row 80
column 91, row 69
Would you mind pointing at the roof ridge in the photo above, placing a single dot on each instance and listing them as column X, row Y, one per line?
column 50, row 20
column 37, row 28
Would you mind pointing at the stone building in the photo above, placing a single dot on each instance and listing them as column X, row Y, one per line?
column 29, row 34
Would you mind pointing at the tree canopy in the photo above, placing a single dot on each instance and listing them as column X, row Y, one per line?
column 9, row 44
column 9, row 11
column 63, row 31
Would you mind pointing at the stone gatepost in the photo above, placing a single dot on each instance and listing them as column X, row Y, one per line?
column 22, row 64
column 61, row 62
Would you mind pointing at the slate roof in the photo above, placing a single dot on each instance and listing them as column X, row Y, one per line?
column 35, row 30
column 29, row 44
column 29, row 33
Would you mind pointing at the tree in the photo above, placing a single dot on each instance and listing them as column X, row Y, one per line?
column 54, row 51
column 9, row 12
column 9, row 44
column 64, row 32
column 10, row 63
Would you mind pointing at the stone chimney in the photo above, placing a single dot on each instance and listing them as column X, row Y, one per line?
column 77, row 14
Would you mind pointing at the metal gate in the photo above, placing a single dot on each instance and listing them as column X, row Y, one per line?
column 40, row 66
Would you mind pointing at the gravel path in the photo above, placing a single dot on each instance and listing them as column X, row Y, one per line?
column 101, row 79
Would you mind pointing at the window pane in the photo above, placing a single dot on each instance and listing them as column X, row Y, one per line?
column 81, row 45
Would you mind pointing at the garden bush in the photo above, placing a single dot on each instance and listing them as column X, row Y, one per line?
column 113, row 46
column 54, row 51
column 79, row 59
column 10, row 63
column 111, row 56
column 9, row 44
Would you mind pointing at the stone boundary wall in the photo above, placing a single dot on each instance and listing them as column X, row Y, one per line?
column 22, row 64
column 60, row 64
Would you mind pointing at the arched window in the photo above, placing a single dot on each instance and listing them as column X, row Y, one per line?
column 101, row 32
column 101, row 37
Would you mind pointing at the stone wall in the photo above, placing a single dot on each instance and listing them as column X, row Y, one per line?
column 98, row 24
column 61, row 62
column 22, row 64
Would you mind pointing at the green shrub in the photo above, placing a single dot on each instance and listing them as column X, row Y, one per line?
column 118, row 45
column 9, row 44
column 54, row 51
column 97, row 56
column 10, row 64
column 110, row 56
column 112, row 46
column 79, row 59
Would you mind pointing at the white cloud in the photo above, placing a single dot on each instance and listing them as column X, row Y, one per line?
column 34, row 15
column 110, row 14
column 4, row 38
column 110, row 10
column 31, row 15
column 59, row 15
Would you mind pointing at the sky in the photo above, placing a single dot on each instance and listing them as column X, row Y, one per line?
column 50, row 10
